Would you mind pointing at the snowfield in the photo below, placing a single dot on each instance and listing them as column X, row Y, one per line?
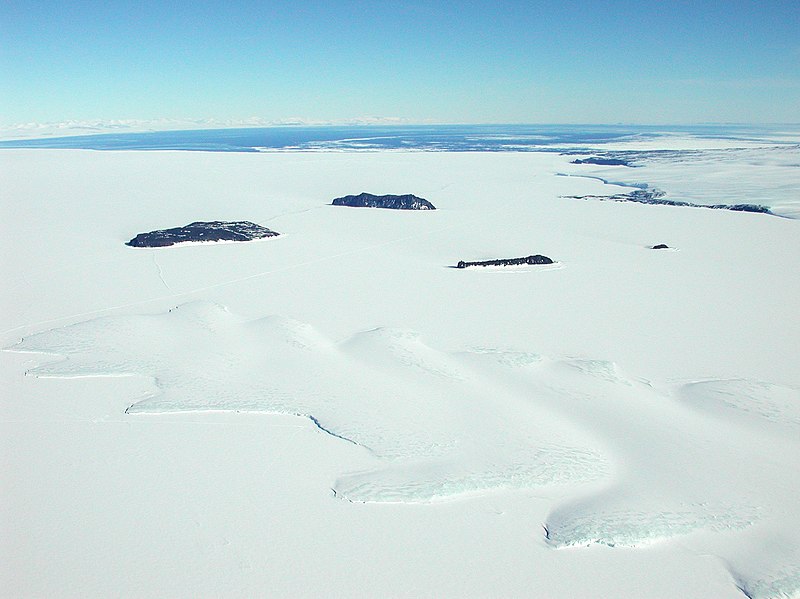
column 341, row 413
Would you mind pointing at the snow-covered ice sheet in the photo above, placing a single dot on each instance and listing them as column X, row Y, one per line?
column 622, row 425
column 443, row 424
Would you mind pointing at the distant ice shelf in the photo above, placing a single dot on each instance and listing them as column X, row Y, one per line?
column 644, row 194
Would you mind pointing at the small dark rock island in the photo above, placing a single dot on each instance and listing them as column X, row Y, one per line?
column 368, row 200
column 537, row 259
column 601, row 161
column 660, row 246
column 202, row 231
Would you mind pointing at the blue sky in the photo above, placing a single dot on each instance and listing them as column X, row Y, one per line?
column 502, row 61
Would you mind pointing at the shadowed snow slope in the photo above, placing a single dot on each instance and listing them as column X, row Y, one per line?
column 626, row 424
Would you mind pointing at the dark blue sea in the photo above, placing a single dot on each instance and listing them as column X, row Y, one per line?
column 450, row 138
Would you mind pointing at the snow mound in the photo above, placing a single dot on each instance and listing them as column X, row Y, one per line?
column 388, row 349
column 524, row 467
column 633, row 528
column 438, row 424
column 625, row 463
column 755, row 404
column 781, row 582
column 509, row 358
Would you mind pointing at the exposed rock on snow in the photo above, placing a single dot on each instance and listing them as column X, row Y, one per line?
column 535, row 259
column 395, row 202
column 601, row 161
column 202, row 231
column 660, row 246
column 656, row 196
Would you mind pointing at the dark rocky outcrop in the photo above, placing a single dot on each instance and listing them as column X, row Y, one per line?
column 739, row 207
column 655, row 196
column 601, row 161
column 660, row 246
column 537, row 259
column 368, row 200
column 202, row 231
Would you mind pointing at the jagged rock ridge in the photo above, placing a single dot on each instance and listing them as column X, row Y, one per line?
column 203, row 231
column 535, row 259
column 395, row 202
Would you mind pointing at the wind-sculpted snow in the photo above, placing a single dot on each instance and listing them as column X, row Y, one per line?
column 675, row 474
column 781, row 582
column 634, row 464
column 528, row 465
column 754, row 404
column 635, row 527
column 440, row 427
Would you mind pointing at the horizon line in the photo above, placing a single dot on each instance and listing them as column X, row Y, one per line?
column 98, row 127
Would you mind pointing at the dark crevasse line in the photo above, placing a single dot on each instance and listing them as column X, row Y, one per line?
column 328, row 431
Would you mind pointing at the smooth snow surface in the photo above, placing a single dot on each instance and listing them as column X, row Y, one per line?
column 344, row 414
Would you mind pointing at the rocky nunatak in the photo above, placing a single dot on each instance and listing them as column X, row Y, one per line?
column 394, row 202
column 202, row 231
column 536, row 259
column 600, row 161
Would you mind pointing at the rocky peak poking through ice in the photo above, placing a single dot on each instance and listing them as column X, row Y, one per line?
column 395, row 202
column 536, row 259
column 203, row 231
